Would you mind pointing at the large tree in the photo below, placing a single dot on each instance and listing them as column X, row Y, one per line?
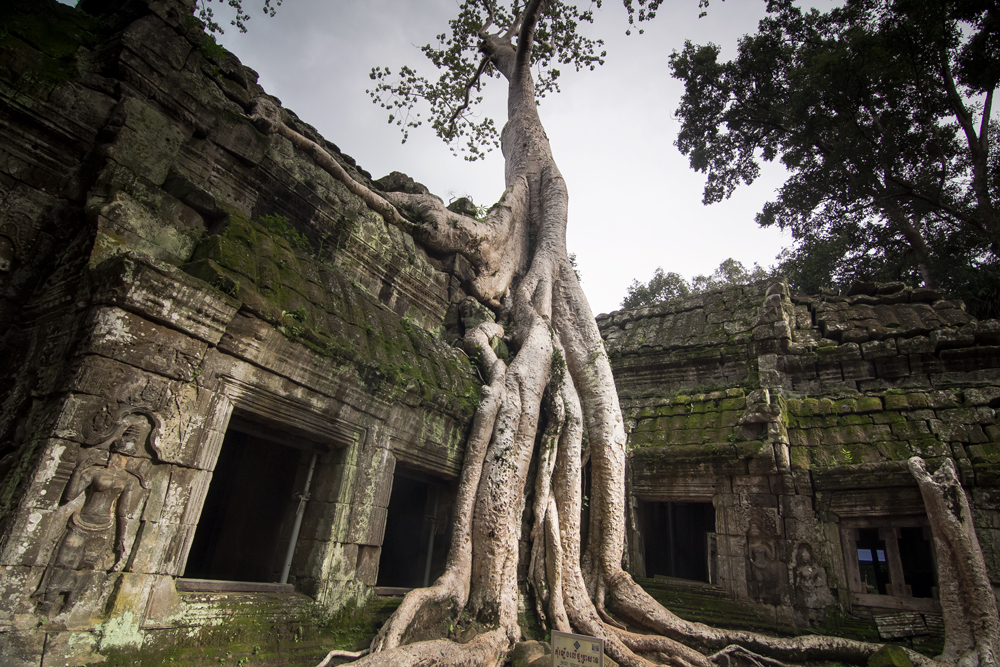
column 554, row 402
column 881, row 112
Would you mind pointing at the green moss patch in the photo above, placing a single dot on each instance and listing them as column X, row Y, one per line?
column 280, row 278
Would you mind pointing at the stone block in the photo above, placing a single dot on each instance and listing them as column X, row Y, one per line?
column 164, row 295
column 185, row 495
column 368, row 561
column 977, row 435
column 879, row 349
column 57, row 462
column 158, row 480
column 17, row 584
column 970, row 359
column 762, row 500
column 924, row 364
column 942, row 399
column 988, row 453
column 326, row 521
column 988, row 332
column 32, row 535
column 763, row 462
column 151, row 545
column 888, row 418
column 367, row 524
column 335, row 482
column 867, row 404
column 148, row 143
column 176, row 553
column 732, row 546
column 22, row 648
column 892, row 368
column 802, row 437
column 165, row 604
column 950, row 432
column 895, row 402
column 342, row 559
column 982, row 396
column 929, row 447
column 909, row 430
column 952, row 337
column 893, row 450
column 131, row 596
column 119, row 335
column 829, row 373
column 374, row 482
column 979, row 415
column 915, row 345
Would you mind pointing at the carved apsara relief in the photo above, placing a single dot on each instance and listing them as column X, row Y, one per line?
column 104, row 495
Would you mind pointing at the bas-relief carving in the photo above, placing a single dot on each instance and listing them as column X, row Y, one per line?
column 104, row 495
column 764, row 568
column 6, row 253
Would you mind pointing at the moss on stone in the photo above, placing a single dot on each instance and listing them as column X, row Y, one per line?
column 249, row 638
column 890, row 656
column 275, row 276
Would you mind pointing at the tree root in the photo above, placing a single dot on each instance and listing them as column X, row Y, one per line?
column 337, row 653
column 748, row 656
column 485, row 650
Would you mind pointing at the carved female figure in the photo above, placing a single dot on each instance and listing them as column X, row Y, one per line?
column 105, row 494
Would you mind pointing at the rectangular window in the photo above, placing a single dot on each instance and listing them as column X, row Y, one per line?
column 890, row 563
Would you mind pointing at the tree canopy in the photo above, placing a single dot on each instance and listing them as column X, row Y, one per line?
column 667, row 286
column 882, row 112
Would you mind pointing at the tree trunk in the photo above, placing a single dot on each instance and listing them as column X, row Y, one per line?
column 971, row 624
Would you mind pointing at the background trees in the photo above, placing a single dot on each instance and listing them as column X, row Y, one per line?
column 666, row 286
column 882, row 112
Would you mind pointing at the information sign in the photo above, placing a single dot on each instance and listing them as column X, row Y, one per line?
column 570, row 650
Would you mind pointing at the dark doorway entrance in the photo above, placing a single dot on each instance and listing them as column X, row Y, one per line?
column 417, row 528
column 243, row 530
column 679, row 539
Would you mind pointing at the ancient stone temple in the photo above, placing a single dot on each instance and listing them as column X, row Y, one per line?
column 230, row 407
column 202, row 334
column 769, row 438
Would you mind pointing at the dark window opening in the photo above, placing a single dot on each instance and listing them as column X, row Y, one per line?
column 679, row 540
column 872, row 561
column 890, row 557
column 417, row 531
column 917, row 560
column 244, row 527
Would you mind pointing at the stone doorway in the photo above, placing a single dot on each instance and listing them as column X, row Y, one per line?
column 679, row 540
column 417, row 531
column 246, row 520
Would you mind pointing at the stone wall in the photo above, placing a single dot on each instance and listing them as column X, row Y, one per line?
column 169, row 275
column 795, row 416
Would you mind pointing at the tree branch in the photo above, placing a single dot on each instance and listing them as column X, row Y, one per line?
column 525, row 37
column 470, row 84
column 266, row 116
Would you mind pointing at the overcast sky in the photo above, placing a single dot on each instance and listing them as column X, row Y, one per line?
column 634, row 202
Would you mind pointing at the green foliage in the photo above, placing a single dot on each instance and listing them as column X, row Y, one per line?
column 668, row 286
column 451, row 100
column 203, row 8
column 278, row 224
column 298, row 314
column 876, row 108
column 211, row 49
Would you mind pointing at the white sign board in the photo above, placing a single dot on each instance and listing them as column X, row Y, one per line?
column 576, row 650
